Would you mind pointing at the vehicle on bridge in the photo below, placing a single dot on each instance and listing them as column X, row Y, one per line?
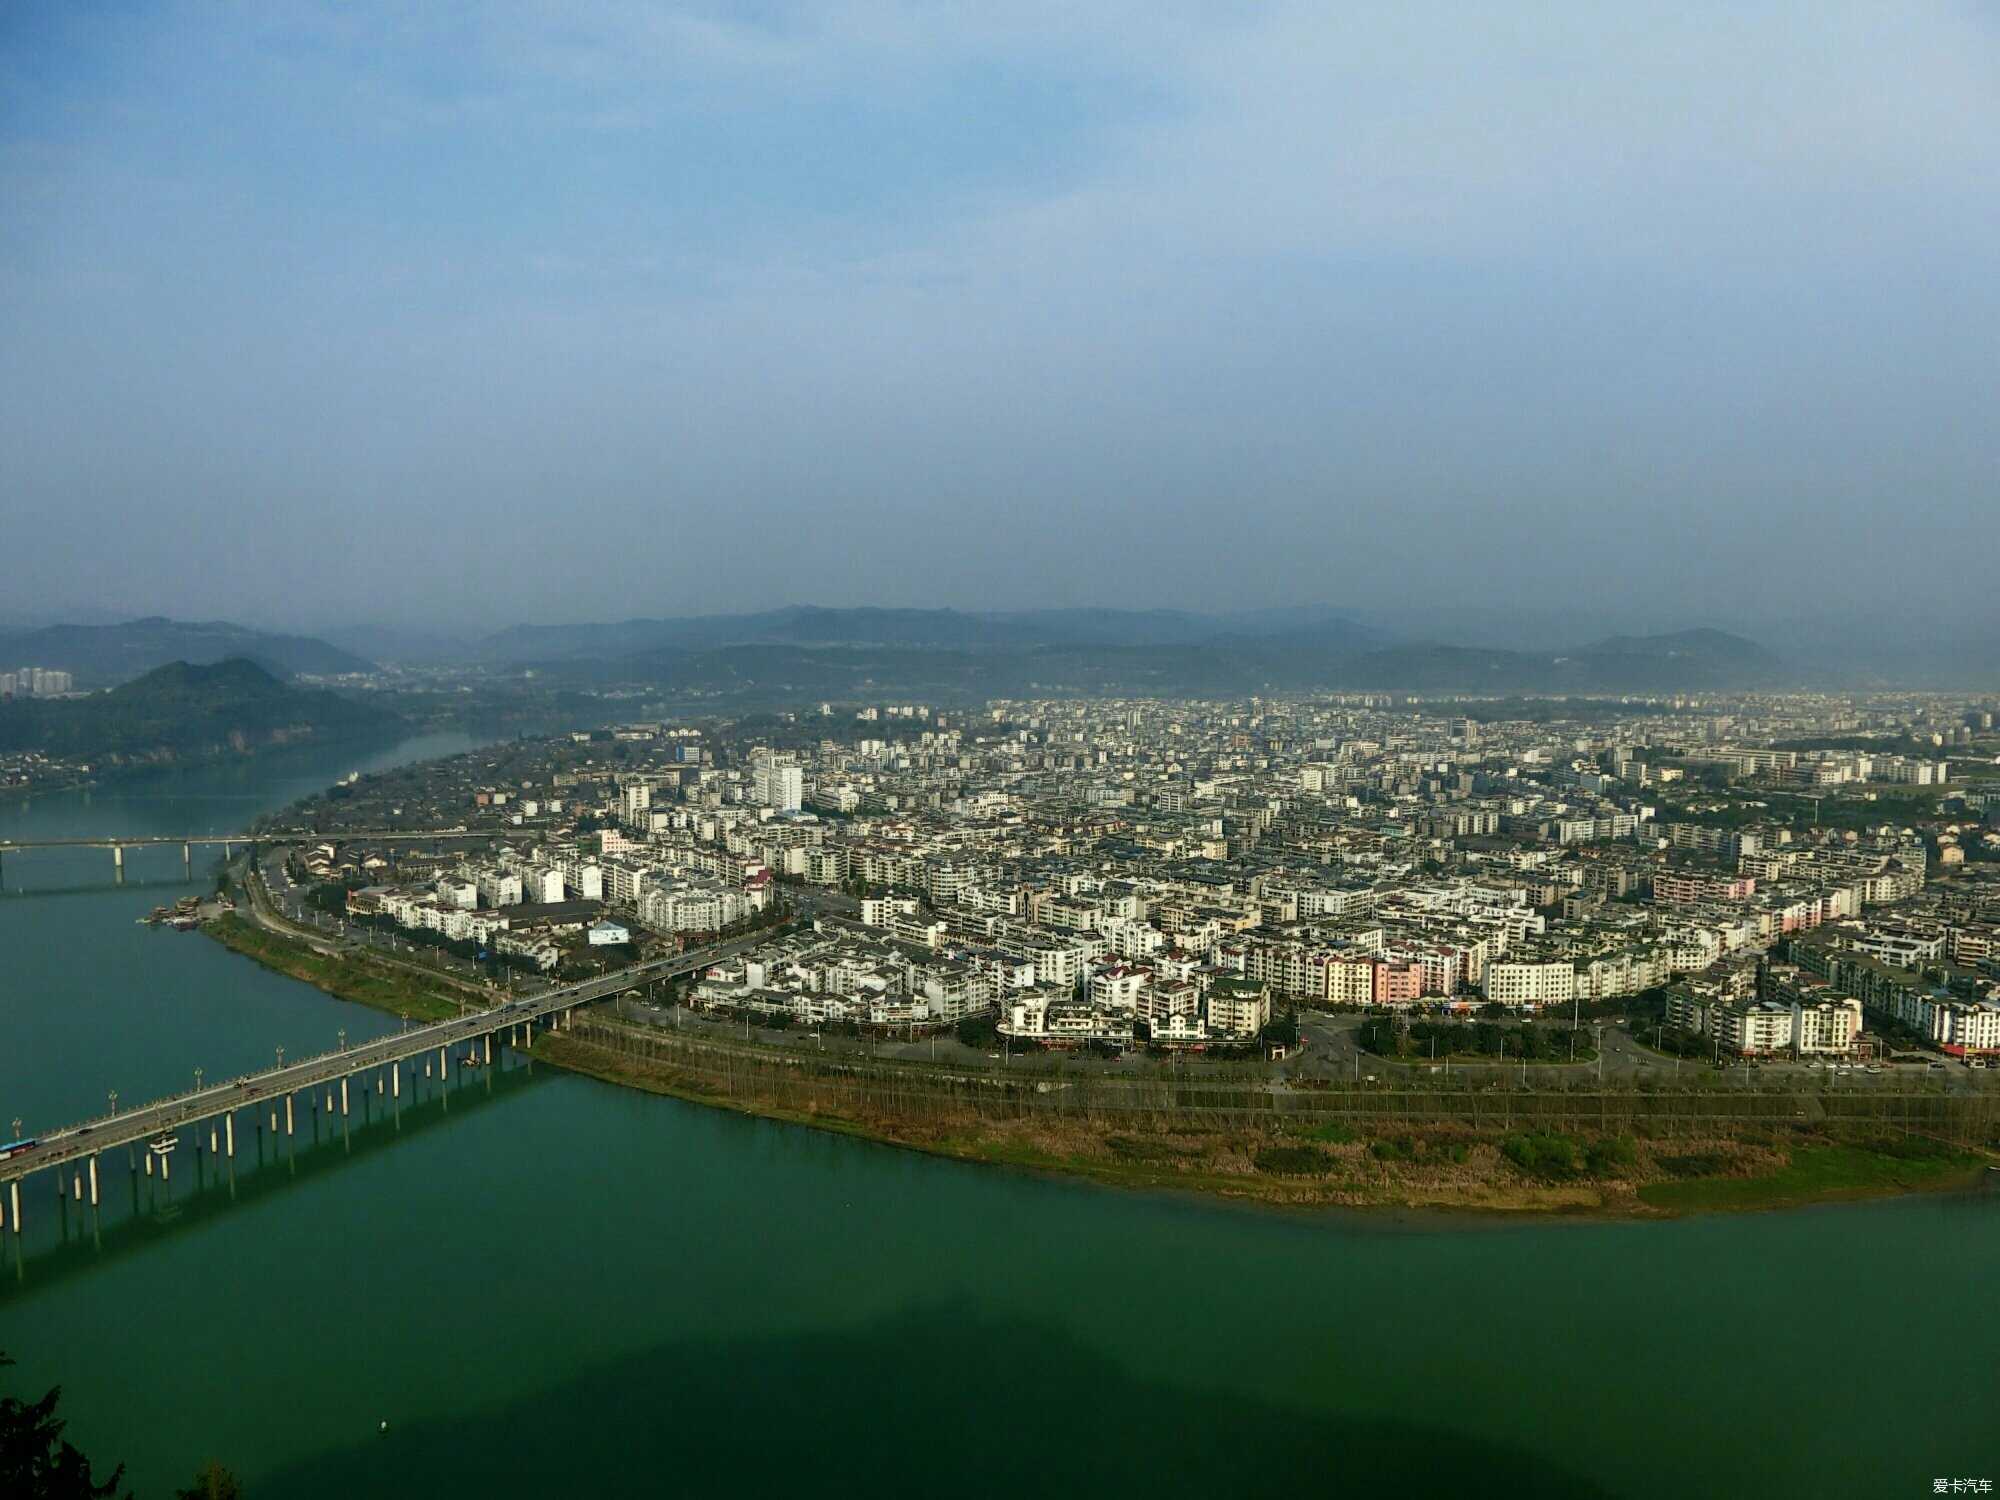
column 15, row 1148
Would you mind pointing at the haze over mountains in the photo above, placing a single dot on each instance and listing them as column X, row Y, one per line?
column 806, row 651
column 809, row 652
column 102, row 655
column 951, row 659
column 809, row 625
column 180, row 712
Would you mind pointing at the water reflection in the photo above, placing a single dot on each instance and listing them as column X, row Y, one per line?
column 933, row 1401
column 139, row 1204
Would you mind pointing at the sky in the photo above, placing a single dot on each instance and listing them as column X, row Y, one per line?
column 464, row 314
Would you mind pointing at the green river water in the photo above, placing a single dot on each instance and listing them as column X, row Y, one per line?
column 550, row 1286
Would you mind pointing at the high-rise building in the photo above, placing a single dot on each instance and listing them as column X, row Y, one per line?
column 36, row 682
column 776, row 780
column 635, row 801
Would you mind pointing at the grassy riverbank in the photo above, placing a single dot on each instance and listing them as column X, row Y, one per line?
column 1520, row 1165
column 348, row 977
column 1355, row 1163
column 1826, row 1173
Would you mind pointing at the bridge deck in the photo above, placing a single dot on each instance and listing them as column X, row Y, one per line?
column 369, row 835
column 75, row 1142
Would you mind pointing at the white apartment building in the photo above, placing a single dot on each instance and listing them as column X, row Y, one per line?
column 776, row 781
column 1973, row 1026
column 1157, row 1003
column 498, row 887
column 626, row 883
column 1510, row 982
column 635, row 800
column 1350, row 981
column 1118, row 987
column 1238, row 1011
column 1749, row 1030
column 1830, row 1026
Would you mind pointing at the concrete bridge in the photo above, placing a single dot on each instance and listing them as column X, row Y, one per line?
column 269, row 1097
column 228, row 841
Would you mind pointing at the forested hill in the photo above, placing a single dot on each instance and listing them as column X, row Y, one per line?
column 185, row 712
column 777, row 673
column 104, row 655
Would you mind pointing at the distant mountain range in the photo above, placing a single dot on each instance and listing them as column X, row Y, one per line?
column 100, row 655
column 805, row 653
column 182, row 712
column 808, row 625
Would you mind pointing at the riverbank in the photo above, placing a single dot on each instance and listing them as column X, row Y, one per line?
column 353, row 977
column 1356, row 1159
column 1546, row 1153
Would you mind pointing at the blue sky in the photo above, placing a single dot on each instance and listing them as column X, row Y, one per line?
column 465, row 314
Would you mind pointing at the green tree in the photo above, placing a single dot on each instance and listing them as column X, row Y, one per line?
column 1610, row 1155
column 979, row 1031
column 35, row 1462
column 1544, row 1155
column 214, row 1482
column 1283, row 1031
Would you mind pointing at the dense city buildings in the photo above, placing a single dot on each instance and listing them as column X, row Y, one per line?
column 1805, row 876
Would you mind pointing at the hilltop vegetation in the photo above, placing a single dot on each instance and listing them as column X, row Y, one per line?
column 102, row 655
column 780, row 672
column 184, row 712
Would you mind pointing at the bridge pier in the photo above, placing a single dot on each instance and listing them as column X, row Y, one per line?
column 343, row 1098
column 93, row 1179
column 229, row 1132
column 14, row 1204
column 396, row 1079
column 288, row 1116
column 187, row 860
column 118, row 862
column 489, row 1049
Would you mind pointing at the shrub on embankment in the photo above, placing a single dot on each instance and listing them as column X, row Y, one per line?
column 1537, row 1151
